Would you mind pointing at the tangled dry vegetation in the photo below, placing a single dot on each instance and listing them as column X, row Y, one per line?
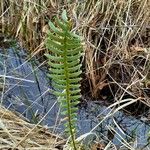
column 116, row 33
column 117, row 53
column 16, row 133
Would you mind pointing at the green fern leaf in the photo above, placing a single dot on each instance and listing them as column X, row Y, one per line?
column 64, row 61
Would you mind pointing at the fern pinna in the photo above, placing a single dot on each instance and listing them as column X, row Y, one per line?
column 64, row 60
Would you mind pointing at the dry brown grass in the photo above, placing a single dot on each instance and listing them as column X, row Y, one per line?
column 109, row 28
column 16, row 133
column 26, row 20
column 115, row 32
column 117, row 50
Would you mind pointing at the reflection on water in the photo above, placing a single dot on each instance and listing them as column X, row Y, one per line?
column 26, row 85
column 126, row 127
column 26, row 90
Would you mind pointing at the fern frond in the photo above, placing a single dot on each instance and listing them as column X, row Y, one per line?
column 64, row 60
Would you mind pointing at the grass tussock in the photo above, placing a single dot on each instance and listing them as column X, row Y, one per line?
column 117, row 48
column 16, row 133
column 26, row 20
column 116, row 34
